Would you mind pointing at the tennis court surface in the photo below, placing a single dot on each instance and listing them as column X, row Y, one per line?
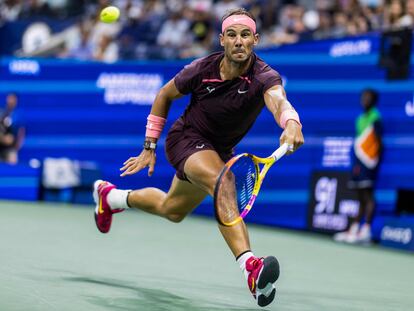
column 53, row 258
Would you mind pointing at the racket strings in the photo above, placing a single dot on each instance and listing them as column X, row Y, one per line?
column 236, row 189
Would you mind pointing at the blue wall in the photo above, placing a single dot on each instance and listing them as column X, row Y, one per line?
column 66, row 115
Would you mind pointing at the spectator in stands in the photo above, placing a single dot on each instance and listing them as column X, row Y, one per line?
column 373, row 15
column 11, row 133
column 290, row 25
column 128, row 38
column 393, row 14
column 173, row 35
column 35, row 8
column 366, row 160
column 349, row 7
column 362, row 24
column 340, row 21
column 408, row 19
column 10, row 10
column 221, row 6
column 201, row 30
column 324, row 29
column 99, row 30
column 82, row 49
column 280, row 22
column 149, row 25
column 107, row 50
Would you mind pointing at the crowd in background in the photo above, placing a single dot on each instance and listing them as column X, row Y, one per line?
column 12, row 130
column 170, row 29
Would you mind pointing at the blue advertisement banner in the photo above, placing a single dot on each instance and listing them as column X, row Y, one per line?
column 398, row 233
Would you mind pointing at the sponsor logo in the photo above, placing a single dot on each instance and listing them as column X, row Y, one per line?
column 350, row 48
column 396, row 234
column 100, row 210
column 200, row 146
column 334, row 222
column 24, row 67
column 124, row 88
column 337, row 151
column 210, row 89
column 409, row 108
column 242, row 92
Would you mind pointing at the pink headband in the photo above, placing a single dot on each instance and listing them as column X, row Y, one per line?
column 240, row 20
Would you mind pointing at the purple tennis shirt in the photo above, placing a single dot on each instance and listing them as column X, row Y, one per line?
column 222, row 111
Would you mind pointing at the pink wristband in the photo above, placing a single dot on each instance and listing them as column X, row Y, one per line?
column 154, row 126
column 287, row 115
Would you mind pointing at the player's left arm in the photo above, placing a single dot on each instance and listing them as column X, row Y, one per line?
column 285, row 116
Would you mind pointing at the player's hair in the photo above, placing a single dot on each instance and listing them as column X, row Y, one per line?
column 373, row 96
column 238, row 11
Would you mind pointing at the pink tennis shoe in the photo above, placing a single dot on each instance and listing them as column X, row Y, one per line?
column 263, row 274
column 103, row 212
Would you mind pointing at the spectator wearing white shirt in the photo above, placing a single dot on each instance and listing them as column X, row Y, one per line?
column 408, row 19
column 10, row 10
column 173, row 35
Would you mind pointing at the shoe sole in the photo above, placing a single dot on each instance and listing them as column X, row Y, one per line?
column 266, row 290
column 96, row 199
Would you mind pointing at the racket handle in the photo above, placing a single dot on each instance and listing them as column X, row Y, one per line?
column 281, row 151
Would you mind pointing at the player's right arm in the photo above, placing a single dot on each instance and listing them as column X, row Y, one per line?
column 160, row 108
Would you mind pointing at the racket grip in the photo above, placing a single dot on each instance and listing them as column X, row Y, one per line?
column 281, row 151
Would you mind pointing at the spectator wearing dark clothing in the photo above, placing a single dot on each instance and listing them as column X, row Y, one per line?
column 11, row 133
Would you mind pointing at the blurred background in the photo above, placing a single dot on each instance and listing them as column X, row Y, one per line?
column 75, row 93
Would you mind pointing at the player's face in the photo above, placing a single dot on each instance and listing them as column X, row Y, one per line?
column 238, row 42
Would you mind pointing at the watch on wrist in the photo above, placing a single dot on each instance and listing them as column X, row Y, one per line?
column 149, row 145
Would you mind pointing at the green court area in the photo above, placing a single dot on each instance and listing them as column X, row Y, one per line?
column 53, row 258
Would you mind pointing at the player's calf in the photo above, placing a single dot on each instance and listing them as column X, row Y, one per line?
column 175, row 217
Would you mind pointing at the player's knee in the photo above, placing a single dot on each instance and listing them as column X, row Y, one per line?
column 175, row 217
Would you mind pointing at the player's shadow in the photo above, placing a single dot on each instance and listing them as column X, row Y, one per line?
column 148, row 299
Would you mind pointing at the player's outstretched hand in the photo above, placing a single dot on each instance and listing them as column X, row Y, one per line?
column 292, row 135
column 135, row 164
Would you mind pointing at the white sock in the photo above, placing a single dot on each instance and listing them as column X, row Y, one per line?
column 354, row 228
column 365, row 229
column 242, row 262
column 117, row 198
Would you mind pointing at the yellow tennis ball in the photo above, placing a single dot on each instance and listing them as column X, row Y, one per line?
column 110, row 14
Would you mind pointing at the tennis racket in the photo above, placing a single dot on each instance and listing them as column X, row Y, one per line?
column 239, row 184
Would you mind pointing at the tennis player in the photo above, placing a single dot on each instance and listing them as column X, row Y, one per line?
column 228, row 91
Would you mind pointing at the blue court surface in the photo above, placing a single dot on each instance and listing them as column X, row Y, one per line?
column 53, row 258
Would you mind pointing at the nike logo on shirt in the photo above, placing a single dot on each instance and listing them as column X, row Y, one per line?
column 210, row 89
column 242, row 92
